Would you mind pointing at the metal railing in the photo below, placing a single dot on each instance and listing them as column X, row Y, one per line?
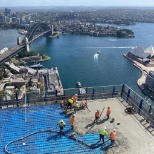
column 142, row 107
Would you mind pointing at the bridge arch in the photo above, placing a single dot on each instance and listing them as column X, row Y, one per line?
column 37, row 29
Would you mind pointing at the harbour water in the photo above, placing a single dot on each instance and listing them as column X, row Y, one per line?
column 74, row 56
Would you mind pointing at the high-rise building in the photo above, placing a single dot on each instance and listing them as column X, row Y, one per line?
column 7, row 11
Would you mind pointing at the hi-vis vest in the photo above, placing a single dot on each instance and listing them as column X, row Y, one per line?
column 70, row 101
column 76, row 104
column 97, row 114
column 113, row 135
column 61, row 124
column 103, row 132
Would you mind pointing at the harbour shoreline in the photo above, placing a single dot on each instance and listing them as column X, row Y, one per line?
column 141, row 82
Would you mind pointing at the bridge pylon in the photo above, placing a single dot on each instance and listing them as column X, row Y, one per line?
column 19, row 41
column 27, row 44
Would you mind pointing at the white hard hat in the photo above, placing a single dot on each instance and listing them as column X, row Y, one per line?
column 104, row 127
column 76, row 94
column 114, row 130
column 61, row 121
column 73, row 115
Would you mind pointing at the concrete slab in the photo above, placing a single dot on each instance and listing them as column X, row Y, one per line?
column 132, row 137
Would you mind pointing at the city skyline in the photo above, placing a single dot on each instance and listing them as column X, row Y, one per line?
column 9, row 3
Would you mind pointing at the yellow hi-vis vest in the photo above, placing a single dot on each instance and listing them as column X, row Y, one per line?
column 103, row 132
column 61, row 124
column 70, row 101
column 76, row 104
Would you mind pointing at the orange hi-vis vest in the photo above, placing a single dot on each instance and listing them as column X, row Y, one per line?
column 72, row 120
column 75, row 98
column 108, row 111
column 113, row 135
column 97, row 114
column 84, row 102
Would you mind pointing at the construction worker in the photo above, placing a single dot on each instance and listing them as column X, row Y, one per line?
column 108, row 112
column 84, row 104
column 61, row 125
column 72, row 120
column 75, row 98
column 76, row 106
column 97, row 115
column 103, row 133
column 113, row 136
column 69, row 103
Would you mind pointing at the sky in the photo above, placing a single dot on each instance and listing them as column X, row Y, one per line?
column 7, row 3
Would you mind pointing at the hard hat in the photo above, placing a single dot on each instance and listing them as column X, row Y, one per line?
column 61, row 121
column 108, row 106
column 104, row 127
column 114, row 130
column 76, row 94
column 73, row 115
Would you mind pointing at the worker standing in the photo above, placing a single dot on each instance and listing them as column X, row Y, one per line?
column 113, row 136
column 61, row 125
column 72, row 121
column 108, row 112
column 97, row 115
column 103, row 133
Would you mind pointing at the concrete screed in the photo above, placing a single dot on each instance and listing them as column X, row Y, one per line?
column 132, row 138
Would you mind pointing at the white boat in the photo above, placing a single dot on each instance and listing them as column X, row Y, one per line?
column 37, row 66
column 79, row 85
column 97, row 54
column 22, row 32
column 4, row 50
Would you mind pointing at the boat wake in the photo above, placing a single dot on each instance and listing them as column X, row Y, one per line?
column 127, row 47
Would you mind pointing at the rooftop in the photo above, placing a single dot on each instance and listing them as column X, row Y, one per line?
column 33, row 125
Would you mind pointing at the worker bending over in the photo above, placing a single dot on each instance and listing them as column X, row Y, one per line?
column 69, row 103
column 75, row 98
column 61, row 125
column 84, row 104
column 97, row 116
column 76, row 106
column 113, row 136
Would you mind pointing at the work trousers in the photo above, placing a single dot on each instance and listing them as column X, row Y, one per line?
column 101, row 137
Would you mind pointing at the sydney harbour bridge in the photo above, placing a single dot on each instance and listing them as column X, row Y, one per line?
column 36, row 31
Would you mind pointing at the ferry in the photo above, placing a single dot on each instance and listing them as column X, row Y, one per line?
column 37, row 66
column 22, row 32
column 3, row 50
column 79, row 85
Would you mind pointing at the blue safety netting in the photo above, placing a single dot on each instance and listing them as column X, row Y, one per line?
column 33, row 138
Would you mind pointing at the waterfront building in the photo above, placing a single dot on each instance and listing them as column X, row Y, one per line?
column 139, row 54
column 150, row 80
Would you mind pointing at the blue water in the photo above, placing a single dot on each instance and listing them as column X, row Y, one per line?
column 74, row 56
